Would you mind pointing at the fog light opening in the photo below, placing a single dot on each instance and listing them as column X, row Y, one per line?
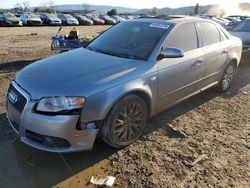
column 91, row 125
column 48, row 141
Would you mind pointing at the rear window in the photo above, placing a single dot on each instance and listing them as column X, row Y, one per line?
column 209, row 32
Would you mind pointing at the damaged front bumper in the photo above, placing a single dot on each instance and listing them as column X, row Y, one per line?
column 56, row 133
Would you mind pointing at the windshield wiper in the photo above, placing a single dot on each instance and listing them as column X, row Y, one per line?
column 98, row 50
column 129, row 56
column 115, row 53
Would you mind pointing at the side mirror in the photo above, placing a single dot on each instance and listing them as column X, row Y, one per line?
column 170, row 52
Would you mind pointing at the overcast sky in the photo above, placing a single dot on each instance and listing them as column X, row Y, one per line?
column 128, row 3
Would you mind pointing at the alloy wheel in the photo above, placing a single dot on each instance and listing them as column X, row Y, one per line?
column 227, row 77
column 129, row 123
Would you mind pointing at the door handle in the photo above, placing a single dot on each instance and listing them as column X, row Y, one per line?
column 198, row 62
column 224, row 52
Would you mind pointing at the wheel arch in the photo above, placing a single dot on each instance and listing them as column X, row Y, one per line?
column 231, row 59
column 145, row 95
column 234, row 61
column 98, row 106
column 140, row 93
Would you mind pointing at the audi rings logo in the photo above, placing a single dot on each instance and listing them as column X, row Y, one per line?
column 12, row 96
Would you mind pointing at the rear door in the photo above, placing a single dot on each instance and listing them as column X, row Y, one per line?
column 215, row 53
column 180, row 78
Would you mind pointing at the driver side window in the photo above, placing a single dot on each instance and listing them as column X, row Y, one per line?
column 183, row 37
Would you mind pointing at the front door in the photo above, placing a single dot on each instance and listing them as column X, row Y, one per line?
column 180, row 78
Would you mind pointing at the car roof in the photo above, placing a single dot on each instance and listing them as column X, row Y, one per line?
column 172, row 19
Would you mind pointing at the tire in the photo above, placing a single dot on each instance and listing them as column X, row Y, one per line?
column 125, row 122
column 227, row 78
column 53, row 45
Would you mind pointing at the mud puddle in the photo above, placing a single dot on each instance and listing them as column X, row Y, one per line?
column 22, row 166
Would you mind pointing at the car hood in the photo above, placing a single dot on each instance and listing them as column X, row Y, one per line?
column 80, row 72
column 244, row 36
column 12, row 19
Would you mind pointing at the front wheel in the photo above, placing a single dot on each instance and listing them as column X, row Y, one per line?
column 227, row 78
column 125, row 122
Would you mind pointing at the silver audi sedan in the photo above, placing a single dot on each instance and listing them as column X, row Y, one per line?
column 128, row 74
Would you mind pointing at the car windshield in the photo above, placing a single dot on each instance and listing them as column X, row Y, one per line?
column 244, row 26
column 52, row 16
column 82, row 17
column 33, row 16
column 134, row 40
column 68, row 16
column 9, row 15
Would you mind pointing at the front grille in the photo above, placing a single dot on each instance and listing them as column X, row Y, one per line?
column 20, row 101
column 47, row 140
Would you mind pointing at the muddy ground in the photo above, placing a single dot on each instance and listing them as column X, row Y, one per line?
column 203, row 142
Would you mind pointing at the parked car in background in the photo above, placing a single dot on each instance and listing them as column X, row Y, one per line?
column 126, row 75
column 240, row 17
column 31, row 19
column 96, row 20
column 8, row 19
column 233, row 22
column 118, row 19
column 107, row 19
column 83, row 20
column 226, row 22
column 67, row 19
column 50, row 19
column 219, row 21
column 129, row 17
column 231, row 19
column 242, row 30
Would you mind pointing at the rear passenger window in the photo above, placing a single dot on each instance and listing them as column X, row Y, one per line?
column 183, row 37
column 209, row 32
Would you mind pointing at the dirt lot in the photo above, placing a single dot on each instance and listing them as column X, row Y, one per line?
column 203, row 142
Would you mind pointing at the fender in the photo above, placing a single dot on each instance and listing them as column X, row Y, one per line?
column 234, row 55
column 97, row 106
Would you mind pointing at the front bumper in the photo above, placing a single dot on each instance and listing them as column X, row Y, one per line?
column 46, row 132
column 72, row 23
column 34, row 23
column 55, row 23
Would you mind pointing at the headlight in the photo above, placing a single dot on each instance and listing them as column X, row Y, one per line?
column 58, row 104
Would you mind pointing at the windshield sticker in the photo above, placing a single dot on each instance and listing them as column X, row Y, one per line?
column 158, row 25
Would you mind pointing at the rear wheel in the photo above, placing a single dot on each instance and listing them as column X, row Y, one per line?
column 227, row 78
column 125, row 122
column 53, row 44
